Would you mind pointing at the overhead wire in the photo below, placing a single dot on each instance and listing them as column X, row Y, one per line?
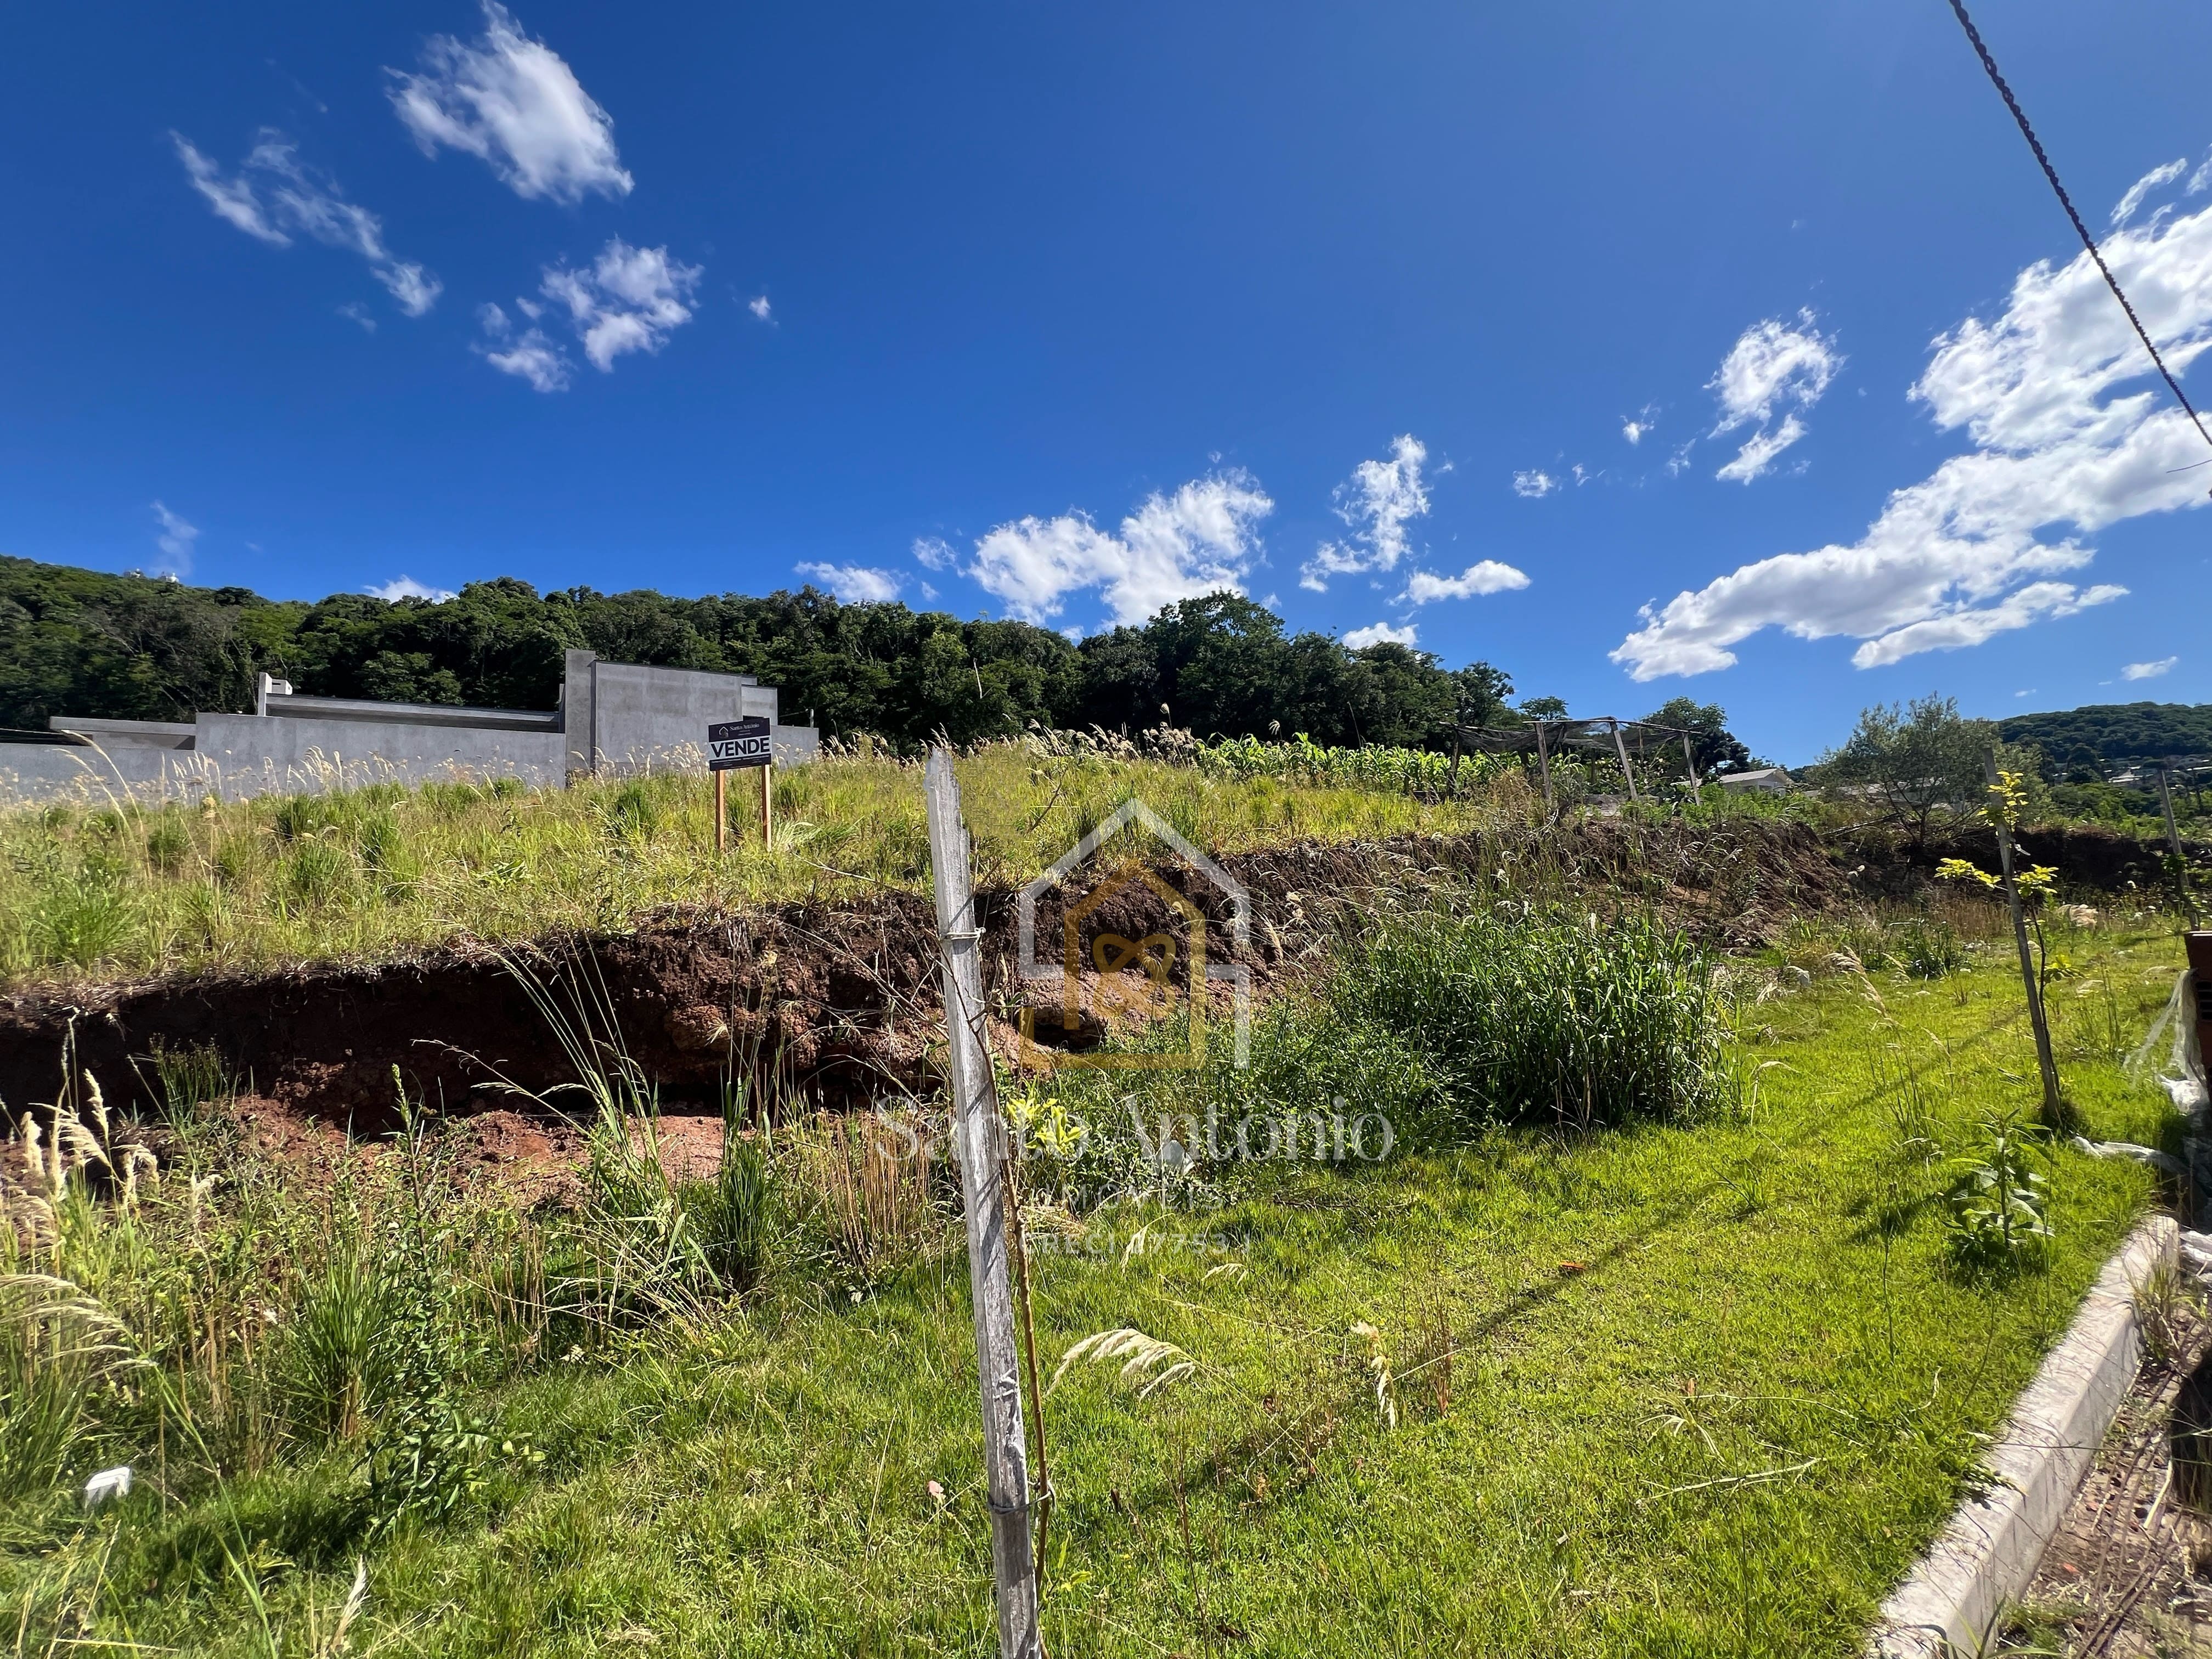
column 2051, row 172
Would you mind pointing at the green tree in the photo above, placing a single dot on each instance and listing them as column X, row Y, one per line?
column 1923, row 762
column 1714, row 746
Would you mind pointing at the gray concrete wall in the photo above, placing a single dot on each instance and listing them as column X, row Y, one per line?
column 618, row 717
column 143, row 772
column 257, row 754
column 656, row 719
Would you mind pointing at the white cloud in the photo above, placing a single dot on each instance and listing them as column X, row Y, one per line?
column 1489, row 576
column 2065, row 433
column 274, row 195
column 759, row 307
column 2037, row 602
column 1379, row 634
column 233, row 199
column 1759, row 451
column 2147, row 671
column 855, row 584
column 1533, row 483
column 406, row 588
column 1199, row 539
column 529, row 355
column 175, row 541
column 1770, row 365
column 933, row 553
column 513, row 102
column 1377, row 501
column 354, row 312
column 628, row 300
column 2156, row 178
column 1639, row 427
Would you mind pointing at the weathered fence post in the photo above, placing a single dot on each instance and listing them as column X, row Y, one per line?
column 2000, row 819
column 2174, row 842
column 1543, row 767
column 979, row 1138
column 1627, row 771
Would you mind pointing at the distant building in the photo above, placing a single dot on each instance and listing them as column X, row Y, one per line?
column 1766, row 781
column 612, row 718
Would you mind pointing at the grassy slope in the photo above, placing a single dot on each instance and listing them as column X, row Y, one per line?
column 1604, row 1481
column 378, row 871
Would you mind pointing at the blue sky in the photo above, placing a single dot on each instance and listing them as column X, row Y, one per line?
column 1061, row 313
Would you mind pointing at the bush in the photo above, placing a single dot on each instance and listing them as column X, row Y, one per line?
column 1523, row 1018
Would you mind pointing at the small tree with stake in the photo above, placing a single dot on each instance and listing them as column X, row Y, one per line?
column 2025, row 892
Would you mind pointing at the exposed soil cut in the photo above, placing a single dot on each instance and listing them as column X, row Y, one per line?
column 838, row 1000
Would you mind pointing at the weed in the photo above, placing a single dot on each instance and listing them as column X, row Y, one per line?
column 2168, row 1305
column 191, row 1080
column 316, row 870
column 1997, row 1204
column 337, row 1352
column 168, row 845
column 1926, row 948
column 87, row 918
column 631, row 812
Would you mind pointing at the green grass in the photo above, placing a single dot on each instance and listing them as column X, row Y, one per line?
column 104, row 889
column 1692, row 1388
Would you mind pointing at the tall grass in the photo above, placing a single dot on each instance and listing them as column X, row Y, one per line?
column 1556, row 1018
column 109, row 888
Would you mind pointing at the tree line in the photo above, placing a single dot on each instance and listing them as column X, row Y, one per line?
column 130, row 646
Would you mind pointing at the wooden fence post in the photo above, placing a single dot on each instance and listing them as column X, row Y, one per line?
column 2053, row 1107
column 1626, row 770
column 979, row 1138
column 2173, row 841
column 1543, row 767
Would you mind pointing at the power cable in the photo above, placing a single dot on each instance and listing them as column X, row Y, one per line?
column 1990, row 64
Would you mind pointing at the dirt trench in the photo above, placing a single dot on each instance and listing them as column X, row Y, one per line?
column 837, row 1000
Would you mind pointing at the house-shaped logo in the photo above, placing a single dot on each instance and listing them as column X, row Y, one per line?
column 1118, row 976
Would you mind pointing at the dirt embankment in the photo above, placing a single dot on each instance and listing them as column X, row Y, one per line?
column 839, row 1000
column 2091, row 861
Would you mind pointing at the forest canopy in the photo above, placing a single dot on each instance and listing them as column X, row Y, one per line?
column 136, row 647
column 2090, row 740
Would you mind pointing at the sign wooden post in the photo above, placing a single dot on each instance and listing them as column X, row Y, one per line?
column 979, row 1137
column 739, row 745
column 768, row 830
column 2053, row 1105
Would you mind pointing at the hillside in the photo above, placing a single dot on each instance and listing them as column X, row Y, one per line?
column 2114, row 731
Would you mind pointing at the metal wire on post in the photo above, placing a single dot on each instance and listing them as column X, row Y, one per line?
column 2051, row 172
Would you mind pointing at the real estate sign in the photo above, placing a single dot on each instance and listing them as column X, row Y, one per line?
column 734, row 745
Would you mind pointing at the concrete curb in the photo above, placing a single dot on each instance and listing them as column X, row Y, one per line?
column 1987, row 1556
